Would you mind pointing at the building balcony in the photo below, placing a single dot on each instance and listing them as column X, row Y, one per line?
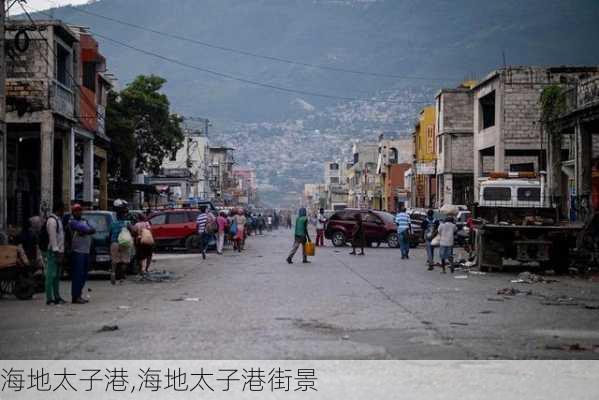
column 62, row 100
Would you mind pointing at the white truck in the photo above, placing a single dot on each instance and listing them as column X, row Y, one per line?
column 516, row 220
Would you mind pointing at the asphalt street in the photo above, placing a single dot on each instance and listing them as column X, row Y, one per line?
column 254, row 305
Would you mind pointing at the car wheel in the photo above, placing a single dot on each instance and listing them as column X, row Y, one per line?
column 338, row 239
column 192, row 243
column 393, row 241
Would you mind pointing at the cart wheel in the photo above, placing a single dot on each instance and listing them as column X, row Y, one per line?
column 24, row 287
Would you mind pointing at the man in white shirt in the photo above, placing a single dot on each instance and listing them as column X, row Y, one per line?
column 320, row 222
column 54, row 254
column 447, row 231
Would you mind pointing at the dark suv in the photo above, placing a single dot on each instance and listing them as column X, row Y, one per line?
column 379, row 227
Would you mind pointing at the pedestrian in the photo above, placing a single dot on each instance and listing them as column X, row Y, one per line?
column 239, row 237
column 121, row 241
column 430, row 226
column 289, row 221
column 201, row 227
column 81, row 242
column 447, row 232
column 358, row 236
column 301, row 236
column 269, row 223
column 144, row 244
column 261, row 223
column 222, row 223
column 53, row 247
column 320, row 222
column 404, row 230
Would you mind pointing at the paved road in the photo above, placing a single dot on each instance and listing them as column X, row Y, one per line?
column 255, row 306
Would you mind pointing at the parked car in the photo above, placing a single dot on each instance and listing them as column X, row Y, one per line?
column 176, row 228
column 379, row 227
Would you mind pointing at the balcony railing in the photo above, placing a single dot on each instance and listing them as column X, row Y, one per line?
column 62, row 100
column 101, row 110
column 583, row 95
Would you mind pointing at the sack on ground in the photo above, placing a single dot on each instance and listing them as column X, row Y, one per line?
column 146, row 237
column 125, row 239
column 309, row 248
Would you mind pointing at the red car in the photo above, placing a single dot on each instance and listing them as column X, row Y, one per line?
column 379, row 227
column 175, row 228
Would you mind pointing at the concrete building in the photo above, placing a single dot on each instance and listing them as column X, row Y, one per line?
column 336, row 185
column 573, row 157
column 424, row 185
column 507, row 129
column 365, row 190
column 394, row 158
column 244, row 192
column 182, row 175
column 455, row 159
column 219, row 169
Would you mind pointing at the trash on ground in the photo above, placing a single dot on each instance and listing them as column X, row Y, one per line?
column 591, row 306
column 469, row 264
column 459, row 323
column 477, row 273
column 108, row 328
column 460, row 277
column 560, row 301
column 191, row 299
column 156, row 276
column 486, row 312
column 527, row 277
column 345, row 337
column 572, row 347
column 124, row 307
column 512, row 292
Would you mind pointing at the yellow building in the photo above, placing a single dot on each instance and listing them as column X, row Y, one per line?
column 424, row 188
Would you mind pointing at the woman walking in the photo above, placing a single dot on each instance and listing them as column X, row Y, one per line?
column 358, row 236
column 239, row 220
column 301, row 236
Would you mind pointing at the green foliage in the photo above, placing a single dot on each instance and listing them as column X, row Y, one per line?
column 553, row 104
column 142, row 130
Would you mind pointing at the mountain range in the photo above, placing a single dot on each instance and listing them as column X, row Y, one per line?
column 405, row 49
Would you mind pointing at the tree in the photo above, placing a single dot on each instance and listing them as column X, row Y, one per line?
column 142, row 129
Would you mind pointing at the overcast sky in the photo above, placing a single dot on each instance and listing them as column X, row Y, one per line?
column 45, row 4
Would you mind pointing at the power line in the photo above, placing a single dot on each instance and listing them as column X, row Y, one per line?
column 256, row 55
column 244, row 80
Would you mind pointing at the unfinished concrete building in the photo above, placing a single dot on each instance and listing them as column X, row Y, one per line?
column 508, row 135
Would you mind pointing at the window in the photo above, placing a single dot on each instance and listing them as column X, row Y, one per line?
column 522, row 167
column 497, row 194
column 430, row 140
column 177, row 218
column 356, row 158
column 158, row 220
column 63, row 65
column 333, row 166
column 440, row 144
column 89, row 76
column 487, row 108
column 393, row 155
column 334, row 179
column 529, row 194
column 370, row 217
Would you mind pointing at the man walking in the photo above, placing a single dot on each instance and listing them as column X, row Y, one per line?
column 80, row 247
column 404, row 230
column 201, row 223
column 320, row 221
column 121, row 241
column 447, row 231
column 301, row 236
column 54, row 254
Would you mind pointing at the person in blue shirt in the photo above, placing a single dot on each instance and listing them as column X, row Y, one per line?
column 404, row 230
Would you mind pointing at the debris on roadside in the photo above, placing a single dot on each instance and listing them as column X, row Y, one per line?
column 186, row 299
column 477, row 273
column 527, row 277
column 572, row 347
column 560, row 301
column 591, row 306
column 123, row 307
column 513, row 291
column 108, row 328
column 156, row 276
column 460, row 277
column 459, row 323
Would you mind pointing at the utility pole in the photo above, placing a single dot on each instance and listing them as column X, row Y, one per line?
column 3, row 134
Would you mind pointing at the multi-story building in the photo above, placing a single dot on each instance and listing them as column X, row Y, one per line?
column 183, row 174
column 245, row 185
column 365, row 190
column 394, row 159
column 424, row 187
column 455, row 160
column 507, row 112
column 219, row 169
column 55, row 99
column 336, row 185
